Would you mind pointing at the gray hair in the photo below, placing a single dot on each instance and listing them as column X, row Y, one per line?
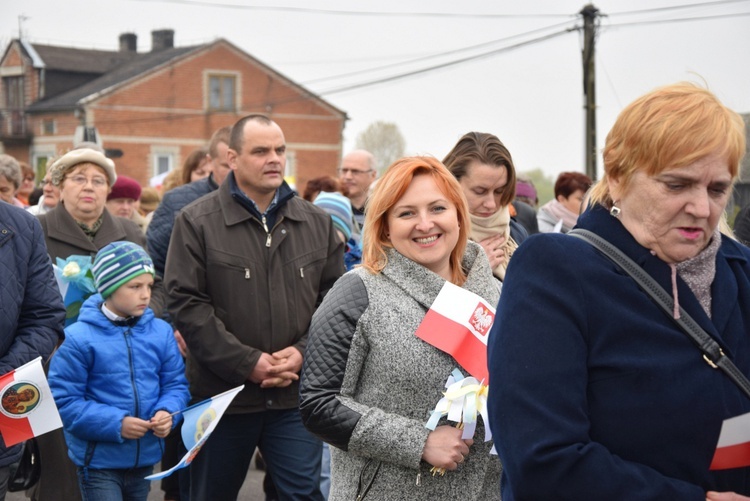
column 10, row 169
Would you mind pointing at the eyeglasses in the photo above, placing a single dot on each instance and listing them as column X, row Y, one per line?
column 353, row 172
column 80, row 180
column 28, row 179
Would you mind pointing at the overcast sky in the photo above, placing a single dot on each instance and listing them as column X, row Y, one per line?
column 530, row 96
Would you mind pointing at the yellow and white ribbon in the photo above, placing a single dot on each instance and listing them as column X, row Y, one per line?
column 463, row 399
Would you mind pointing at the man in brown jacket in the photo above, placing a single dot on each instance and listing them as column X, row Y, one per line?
column 246, row 268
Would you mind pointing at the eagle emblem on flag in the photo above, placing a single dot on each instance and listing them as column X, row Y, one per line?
column 481, row 320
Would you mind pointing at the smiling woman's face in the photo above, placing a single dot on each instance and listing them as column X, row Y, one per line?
column 674, row 213
column 423, row 225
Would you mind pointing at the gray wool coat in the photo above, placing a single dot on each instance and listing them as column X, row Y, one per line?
column 369, row 383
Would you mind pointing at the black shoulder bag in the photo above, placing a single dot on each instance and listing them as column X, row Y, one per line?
column 712, row 352
column 25, row 474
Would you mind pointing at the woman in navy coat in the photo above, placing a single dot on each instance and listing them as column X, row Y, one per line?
column 597, row 393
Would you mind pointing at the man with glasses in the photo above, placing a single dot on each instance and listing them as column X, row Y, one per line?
column 357, row 173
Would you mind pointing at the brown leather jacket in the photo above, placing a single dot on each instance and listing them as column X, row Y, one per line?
column 235, row 291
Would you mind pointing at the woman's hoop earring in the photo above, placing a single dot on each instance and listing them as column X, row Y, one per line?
column 615, row 210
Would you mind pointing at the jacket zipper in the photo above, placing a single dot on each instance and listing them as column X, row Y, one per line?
column 127, row 335
column 265, row 227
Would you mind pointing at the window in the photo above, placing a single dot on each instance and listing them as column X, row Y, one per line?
column 163, row 163
column 221, row 92
column 40, row 166
column 48, row 127
column 13, row 92
column 163, row 159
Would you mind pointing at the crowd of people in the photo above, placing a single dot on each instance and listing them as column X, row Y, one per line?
column 228, row 277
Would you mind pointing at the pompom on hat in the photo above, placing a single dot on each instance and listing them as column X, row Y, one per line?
column 125, row 187
column 118, row 263
column 80, row 156
column 340, row 209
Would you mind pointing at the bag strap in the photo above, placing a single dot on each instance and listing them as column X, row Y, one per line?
column 712, row 352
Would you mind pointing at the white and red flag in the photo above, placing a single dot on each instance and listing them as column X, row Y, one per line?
column 27, row 408
column 733, row 449
column 458, row 323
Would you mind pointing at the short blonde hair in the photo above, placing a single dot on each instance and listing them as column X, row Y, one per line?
column 672, row 126
column 388, row 192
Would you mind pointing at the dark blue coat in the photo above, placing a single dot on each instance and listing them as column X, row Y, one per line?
column 31, row 309
column 596, row 393
column 160, row 228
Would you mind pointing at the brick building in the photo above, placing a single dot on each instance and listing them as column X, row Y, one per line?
column 155, row 108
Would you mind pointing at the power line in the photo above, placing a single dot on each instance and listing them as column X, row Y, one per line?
column 307, row 10
column 307, row 95
column 676, row 7
column 443, row 65
column 433, row 56
column 679, row 20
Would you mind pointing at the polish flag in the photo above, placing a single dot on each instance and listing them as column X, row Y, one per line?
column 733, row 449
column 27, row 408
column 458, row 323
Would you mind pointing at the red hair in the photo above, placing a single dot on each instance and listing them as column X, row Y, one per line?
column 670, row 127
column 389, row 190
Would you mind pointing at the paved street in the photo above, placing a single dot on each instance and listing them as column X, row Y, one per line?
column 252, row 489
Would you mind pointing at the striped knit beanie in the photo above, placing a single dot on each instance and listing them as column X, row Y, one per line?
column 117, row 263
column 340, row 209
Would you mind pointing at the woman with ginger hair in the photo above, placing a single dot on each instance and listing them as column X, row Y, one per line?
column 361, row 390
column 604, row 396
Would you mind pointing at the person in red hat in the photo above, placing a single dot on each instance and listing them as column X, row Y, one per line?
column 123, row 200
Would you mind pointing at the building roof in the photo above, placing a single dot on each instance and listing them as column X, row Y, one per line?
column 118, row 70
column 81, row 60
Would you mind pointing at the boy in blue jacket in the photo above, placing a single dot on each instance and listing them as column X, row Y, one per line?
column 117, row 378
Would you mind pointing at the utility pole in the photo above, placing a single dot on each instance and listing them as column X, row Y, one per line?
column 590, row 24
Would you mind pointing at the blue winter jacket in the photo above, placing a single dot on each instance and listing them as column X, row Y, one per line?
column 31, row 309
column 596, row 393
column 103, row 373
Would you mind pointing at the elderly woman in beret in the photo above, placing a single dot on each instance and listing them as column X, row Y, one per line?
column 601, row 393
column 124, row 199
column 79, row 225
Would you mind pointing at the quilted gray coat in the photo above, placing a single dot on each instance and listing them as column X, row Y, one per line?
column 31, row 309
column 369, row 383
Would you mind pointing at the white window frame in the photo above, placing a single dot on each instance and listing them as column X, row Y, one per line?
column 170, row 153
